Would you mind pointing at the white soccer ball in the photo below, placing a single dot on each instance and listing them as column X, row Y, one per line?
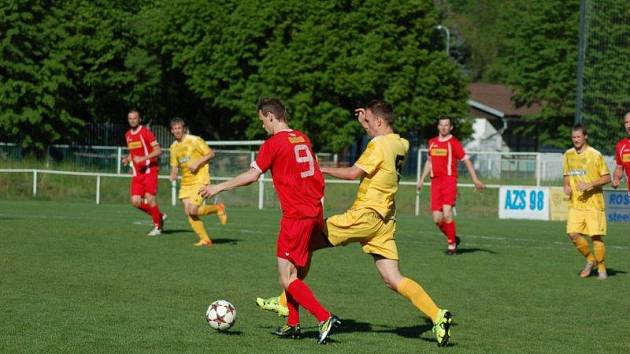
column 221, row 315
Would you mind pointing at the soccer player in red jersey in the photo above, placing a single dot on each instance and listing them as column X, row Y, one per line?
column 444, row 153
column 299, row 184
column 622, row 156
column 143, row 153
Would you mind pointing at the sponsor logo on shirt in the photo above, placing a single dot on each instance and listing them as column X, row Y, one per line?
column 134, row 145
column 625, row 158
column 184, row 159
column 296, row 139
column 439, row 152
column 576, row 173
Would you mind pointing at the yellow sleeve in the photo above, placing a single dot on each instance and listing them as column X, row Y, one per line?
column 565, row 165
column 370, row 159
column 173, row 158
column 603, row 167
column 201, row 146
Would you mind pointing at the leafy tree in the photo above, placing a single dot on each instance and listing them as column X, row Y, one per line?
column 34, row 104
column 606, row 71
column 538, row 60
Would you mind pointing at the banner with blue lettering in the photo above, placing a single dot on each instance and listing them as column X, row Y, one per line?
column 524, row 202
column 617, row 206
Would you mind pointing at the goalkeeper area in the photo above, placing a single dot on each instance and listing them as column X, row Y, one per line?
column 80, row 277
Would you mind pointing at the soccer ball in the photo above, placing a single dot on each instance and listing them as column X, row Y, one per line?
column 221, row 315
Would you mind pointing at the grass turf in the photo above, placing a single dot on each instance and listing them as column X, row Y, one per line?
column 77, row 277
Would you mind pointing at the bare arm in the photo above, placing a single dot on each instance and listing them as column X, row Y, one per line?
column 174, row 172
column 196, row 165
column 567, row 186
column 427, row 169
column 244, row 179
column 348, row 173
column 471, row 170
column 602, row 180
column 617, row 177
column 157, row 151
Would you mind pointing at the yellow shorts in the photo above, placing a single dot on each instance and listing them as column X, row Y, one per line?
column 586, row 222
column 366, row 227
column 192, row 194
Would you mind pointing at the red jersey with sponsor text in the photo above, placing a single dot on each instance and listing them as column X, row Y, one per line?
column 444, row 156
column 622, row 157
column 298, row 181
column 141, row 142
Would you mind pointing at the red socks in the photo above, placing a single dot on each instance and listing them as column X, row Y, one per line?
column 448, row 229
column 154, row 212
column 299, row 294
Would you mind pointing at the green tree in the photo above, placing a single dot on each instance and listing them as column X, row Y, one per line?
column 538, row 60
column 34, row 104
column 606, row 72
column 323, row 58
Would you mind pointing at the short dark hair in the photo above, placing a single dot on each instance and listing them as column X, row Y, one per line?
column 178, row 120
column 273, row 105
column 580, row 127
column 136, row 111
column 450, row 120
column 382, row 109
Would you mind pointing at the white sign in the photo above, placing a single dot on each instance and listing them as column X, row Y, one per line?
column 519, row 202
column 617, row 206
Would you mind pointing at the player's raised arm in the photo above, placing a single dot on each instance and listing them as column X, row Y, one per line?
column 244, row 179
column 347, row 173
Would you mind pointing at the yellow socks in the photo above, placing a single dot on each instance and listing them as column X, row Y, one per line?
column 418, row 297
column 207, row 209
column 282, row 299
column 198, row 228
column 582, row 246
column 600, row 255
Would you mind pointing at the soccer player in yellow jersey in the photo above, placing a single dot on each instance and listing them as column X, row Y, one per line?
column 191, row 154
column 371, row 220
column 585, row 173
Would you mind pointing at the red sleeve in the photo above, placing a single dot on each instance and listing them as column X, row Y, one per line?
column 265, row 156
column 458, row 150
column 148, row 136
column 618, row 153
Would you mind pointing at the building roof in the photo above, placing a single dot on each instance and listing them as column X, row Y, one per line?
column 496, row 100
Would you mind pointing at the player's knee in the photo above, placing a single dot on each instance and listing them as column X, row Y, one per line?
column 573, row 237
column 135, row 202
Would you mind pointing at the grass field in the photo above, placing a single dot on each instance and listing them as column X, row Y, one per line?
column 77, row 277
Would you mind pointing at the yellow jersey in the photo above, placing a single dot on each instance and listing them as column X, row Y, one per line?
column 382, row 162
column 183, row 153
column 587, row 167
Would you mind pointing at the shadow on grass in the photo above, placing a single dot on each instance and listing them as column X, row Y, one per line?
column 613, row 272
column 175, row 231
column 461, row 250
column 226, row 241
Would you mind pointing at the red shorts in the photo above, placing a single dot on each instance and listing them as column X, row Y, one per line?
column 144, row 183
column 443, row 192
column 295, row 237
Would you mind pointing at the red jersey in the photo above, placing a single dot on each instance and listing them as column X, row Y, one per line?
column 298, row 181
column 141, row 142
column 444, row 156
column 622, row 156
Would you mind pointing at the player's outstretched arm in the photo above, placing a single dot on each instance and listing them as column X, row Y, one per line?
column 348, row 173
column 244, row 179
column 471, row 170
